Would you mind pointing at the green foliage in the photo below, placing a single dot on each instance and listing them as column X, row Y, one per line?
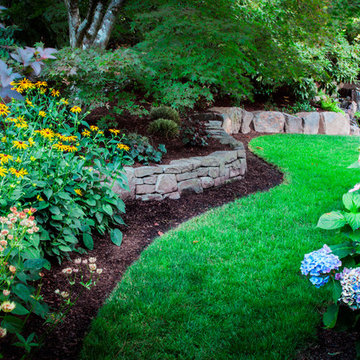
column 194, row 133
column 165, row 112
column 330, row 105
column 142, row 151
column 299, row 107
column 166, row 128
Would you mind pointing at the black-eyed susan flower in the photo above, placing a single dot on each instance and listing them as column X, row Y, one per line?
column 123, row 147
column 60, row 146
column 22, row 145
column 75, row 109
column 4, row 110
column 114, row 131
column 42, row 113
column 94, row 128
column 78, row 192
column 64, row 101
column 66, row 138
column 3, row 171
column 4, row 139
column 31, row 141
column 4, row 158
column 86, row 133
column 71, row 148
column 55, row 93
column 18, row 173
column 29, row 102
column 40, row 84
column 47, row 133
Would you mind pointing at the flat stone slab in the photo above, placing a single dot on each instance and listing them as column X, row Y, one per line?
column 166, row 183
column 293, row 124
column 269, row 121
column 335, row 123
column 311, row 121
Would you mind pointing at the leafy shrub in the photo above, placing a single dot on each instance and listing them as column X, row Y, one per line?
column 142, row 151
column 164, row 128
column 299, row 107
column 330, row 105
column 20, row 266
column 165, row 112
column 194, row 133
column 53, row 159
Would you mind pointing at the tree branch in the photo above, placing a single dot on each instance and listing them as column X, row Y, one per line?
column 72, row 7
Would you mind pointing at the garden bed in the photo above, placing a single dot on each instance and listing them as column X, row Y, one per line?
column 145, row 221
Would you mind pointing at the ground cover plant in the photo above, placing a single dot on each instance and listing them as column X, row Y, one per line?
column 227, row 284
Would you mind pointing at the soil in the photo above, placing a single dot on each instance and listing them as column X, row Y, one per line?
column 146, row 221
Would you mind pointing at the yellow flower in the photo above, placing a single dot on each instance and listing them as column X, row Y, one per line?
column 70, row 148
column 64, row 101
column 3, row 139
column 26, row 84
column 18, row 173
column 60, row 146
column 79, row 192
column 4, row 110
column 39, row 84
column 39, row 198
column 29, row 102
column 114, row 131
column 75, row 109
column 31, row 141
column 47, row 133
column 3, row 171
column 20, row 145
column 12, row 120
column 55, row 93
column 18, row 160
column 101, row 132
column 94, row 128
column 66, row 138
column 86, row 133
column 42, row 113
column 123, row 147
column 32, row 158
column 4, row 158
column 22, row 125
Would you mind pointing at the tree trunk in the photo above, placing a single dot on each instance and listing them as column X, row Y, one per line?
column 95, row 29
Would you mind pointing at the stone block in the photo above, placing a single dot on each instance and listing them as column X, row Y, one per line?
column 232, row 118
column 145, row 189
column 147, row 171
column 293, row 124
column 269, row 122
column 203, row 171
column 174, row 195
column 335, row 123
column 207, row 182
column 151, row 180
column 187, row 175
column 149, row 197
column 214, row 172
column 166, row 183
column 139, row 181
column 243, row 167
column 247, row 122
column 354, row 130
column 311, row 121
column 226, row 156
column 191, row 185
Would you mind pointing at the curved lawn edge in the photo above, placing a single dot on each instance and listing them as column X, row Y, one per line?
column 226, row 284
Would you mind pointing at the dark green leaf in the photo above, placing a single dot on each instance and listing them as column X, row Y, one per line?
column 116, row 236
column 330, row 316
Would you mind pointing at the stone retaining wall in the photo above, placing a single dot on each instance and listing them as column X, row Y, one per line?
column 236, row 120
column 187, row 175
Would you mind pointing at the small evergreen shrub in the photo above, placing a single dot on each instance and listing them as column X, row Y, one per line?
column 165, row 112
column 164, row 127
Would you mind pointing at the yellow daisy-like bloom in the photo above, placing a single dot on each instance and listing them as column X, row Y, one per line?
column 14, row 120
column 3, row 171
column 75, row 109
column 114, row 131
column 4, row 158
column 94, row 128
column 123, row 147
column 26, row 84
column 42, row 113
column 39, row 198
column 18, row 173
column 32, row 158
column 70, row 148
column 31, row 141
column 86, row 133
column 40, row 84
column 101, row 132
column 3, row 139
column 20, row 145
column 55, row 93
column 4, row 110
column 64, row 101
column 60, row 146
column 22, row 125
column 47, row 133
column 42, row 90
column 29, row 102
column 79, row 192
column 66, row 138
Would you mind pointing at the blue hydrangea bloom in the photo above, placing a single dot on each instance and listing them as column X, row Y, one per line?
column 318, row 264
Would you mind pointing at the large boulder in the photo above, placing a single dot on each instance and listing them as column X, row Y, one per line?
column 166, row 183
column 269, row 121
column 293, row 124
column 247, row 122
column 311, row 121
column 335, row 123
column 232, row 118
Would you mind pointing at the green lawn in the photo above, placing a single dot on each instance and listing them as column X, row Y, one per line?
column 226, row 285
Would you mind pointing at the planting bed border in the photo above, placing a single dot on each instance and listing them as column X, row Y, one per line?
column 193, row 174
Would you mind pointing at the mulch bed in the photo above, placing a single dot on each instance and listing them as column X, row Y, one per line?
column 145, row 221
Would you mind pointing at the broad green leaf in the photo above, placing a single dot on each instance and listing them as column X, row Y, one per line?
column 20, row 310
column 48, row 193
column 351, row 201
column 119, row 220
column 64, row 248
column 332, row 220
column 336, row 293
column 108, row 209
column 22, row 292
column 99, row 217
column 116, row 236
column 330, row 316
column 12, row 324
column 64, row 195
column 55, row 210
column 35, row 264
column 88, row 241
column 353, row 220
column 343, row 250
